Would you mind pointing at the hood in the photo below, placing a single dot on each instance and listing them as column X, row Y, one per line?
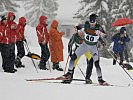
column 54, row 24
column 22, row 20
column 42, row 19
column 10, row 14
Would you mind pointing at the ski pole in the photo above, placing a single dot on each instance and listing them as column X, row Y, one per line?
column 81, row 71
column 28, row 50
column 120, row 62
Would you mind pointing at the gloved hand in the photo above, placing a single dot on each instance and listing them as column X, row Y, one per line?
column 104, row 44
column 120, row 42
column 44, row 42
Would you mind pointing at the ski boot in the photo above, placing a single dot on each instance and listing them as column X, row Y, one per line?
column 56, row 66
column 102, row 82
column 69, row 77
column 88, row 81
column 42, row 66
column 18, row 63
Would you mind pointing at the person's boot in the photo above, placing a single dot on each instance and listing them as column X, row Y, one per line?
column 18, row 63
column 10, row 70
column 42, row 66
column 102, row 82
column 56, row 66
column 69, row 77
column 88, row 81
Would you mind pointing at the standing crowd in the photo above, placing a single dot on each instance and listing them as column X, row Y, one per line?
column 12, row 34
column 85, row 39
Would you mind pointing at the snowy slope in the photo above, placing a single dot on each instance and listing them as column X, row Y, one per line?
column 14, row 86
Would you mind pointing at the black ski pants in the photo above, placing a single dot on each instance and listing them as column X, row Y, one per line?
column 20, row 49
column 45, row 54
column 8, row 56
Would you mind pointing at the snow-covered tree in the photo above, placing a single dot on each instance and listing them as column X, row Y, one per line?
column 7, row 5
column 37, row 8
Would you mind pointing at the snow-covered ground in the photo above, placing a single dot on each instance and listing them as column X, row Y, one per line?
column 14, row 86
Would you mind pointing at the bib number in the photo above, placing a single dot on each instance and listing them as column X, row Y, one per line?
column 91, row 38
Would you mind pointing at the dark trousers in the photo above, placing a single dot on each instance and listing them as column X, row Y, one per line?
column 119, row 54
column 126, row 55
column 45, row 54
column 8, row 56
column 20, row 49
column 89, row 68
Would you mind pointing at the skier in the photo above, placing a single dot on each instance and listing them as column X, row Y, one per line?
column 56, row 45
column 20, row 42
column 119, row 40
column 91, row 36
column 43, row 38
column 8, row 30
column 77, row 40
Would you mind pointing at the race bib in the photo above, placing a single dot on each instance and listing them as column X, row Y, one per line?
column 91, row 38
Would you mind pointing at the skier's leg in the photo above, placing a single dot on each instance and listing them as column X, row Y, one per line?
column 114, row 60
column 79, row 51
column 121, row 57
column 76, row 61
column 95, row 55
column 83, row 48
column 89, row 71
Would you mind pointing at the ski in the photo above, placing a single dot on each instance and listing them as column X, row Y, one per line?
column 58, row 78
column 61, row 78
column 43, row 79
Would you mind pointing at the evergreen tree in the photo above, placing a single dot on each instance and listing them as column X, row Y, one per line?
column 7, row 5
column 37, row 8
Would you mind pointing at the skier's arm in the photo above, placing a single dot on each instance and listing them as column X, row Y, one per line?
column 102, row 41
column 127, row 39
column 70, row 44
column 39, row 34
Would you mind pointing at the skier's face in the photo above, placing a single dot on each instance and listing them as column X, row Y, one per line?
column 24, row 23
column 11, row 18
column 93, row 24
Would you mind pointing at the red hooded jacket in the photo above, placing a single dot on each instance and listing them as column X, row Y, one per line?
column 20, row 29
column 42, row 32
column 3, row 37
column 10, row 31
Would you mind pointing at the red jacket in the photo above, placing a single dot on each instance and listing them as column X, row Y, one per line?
column 3, row 37
column 1, row 32
column 42, row 32
column 10, row 31
column 20, row 29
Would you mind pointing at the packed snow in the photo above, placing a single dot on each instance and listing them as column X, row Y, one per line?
column 15, row 87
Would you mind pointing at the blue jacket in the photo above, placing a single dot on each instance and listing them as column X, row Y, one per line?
column 119, row 47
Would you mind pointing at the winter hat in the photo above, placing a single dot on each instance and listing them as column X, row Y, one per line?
column 93, row 18
column 122, row 30
column 80, row 26
column 3, row 17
